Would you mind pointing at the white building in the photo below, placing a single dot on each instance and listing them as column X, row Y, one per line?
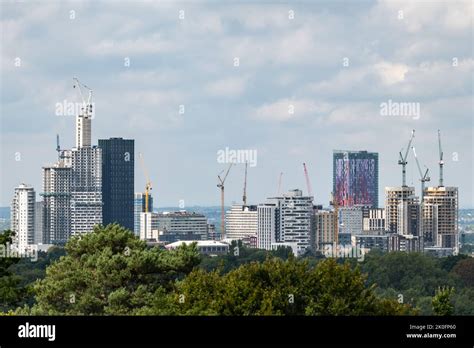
column 294, row 221
column 241, row 222
column 23, row 216
column 207, row 247
column 374, row 219
column 149, row 226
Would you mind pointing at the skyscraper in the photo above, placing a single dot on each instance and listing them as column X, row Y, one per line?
column 402, row 210
column 57, row 180
column 356, row 178
column 23, row 216
column 118, row 181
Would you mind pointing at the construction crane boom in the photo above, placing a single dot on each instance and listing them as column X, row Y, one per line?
column 279, row 184
column 441, row 162
column 403, row 159
column 244, row 198
column 148, row 185
column 423, row 177
column 308, row 183
column 221, row 186
column 86, row 105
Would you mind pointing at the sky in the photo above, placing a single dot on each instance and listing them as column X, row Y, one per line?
column 287, row 81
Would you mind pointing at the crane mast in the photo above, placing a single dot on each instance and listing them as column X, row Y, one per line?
column 220, row 185
column 148, row 185
column 308, row 184
column 244, row 197
column 441, row 162
column 423, row 177
column 403, row 159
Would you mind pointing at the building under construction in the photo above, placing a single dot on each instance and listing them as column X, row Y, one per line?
column 440, row 216
column 402, row 210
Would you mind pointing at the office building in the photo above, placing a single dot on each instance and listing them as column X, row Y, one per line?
column 268, row 224
column 241, row 222
column 355, row 178
column 182, row 225
column 350, row 219
column 118, row 181
column 23, row 216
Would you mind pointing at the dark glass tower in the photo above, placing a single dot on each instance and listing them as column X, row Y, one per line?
column 356, row 178
column 118, row 181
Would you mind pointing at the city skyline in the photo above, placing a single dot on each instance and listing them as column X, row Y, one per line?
column 243, row 107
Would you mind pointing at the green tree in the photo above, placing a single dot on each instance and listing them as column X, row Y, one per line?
column 465, row 270
column 11, row 293
column 277, row 287
column 109, row 271
column 441, row 303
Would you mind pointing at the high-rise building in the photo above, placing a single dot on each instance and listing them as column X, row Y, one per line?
column 293, row 225
column 23, row 216
column 356, row 178
column 268, row 217
column 149, row 226
column 138, row 208
column 57, row 181
column 241, row 222
column 86, row 189
column 440, row 216
column 402, row 210
column 39, row 223
column 118, row 181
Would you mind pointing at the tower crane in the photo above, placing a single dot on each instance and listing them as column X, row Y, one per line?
column 308, row 184
column 86, row 105
column 221, row 186
column 244, row 197
column 403, row 159
column 279, row 184
column 423, row 177
column 148, row 185
column 441, row 162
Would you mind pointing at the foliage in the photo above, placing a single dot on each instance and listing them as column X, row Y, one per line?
column 465, row 270
column 442, row 301
column 109, row 271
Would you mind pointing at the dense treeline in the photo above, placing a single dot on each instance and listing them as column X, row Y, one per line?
column 111, row 272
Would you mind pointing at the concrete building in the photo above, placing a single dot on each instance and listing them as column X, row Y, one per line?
column 118, row 181
column 350, row 219
column 406, row 243
column 373, row 219
column 268, row 224
column 440, row 216
column 371, row 241
column 138, row 208
column 356, row 178
column 241, row 222
column 23, row 216
column 149, row 226
column 86, row 189
column 402, row 210
column 38, row 223
column 182, row 225
column 325, row 224
column 57, row 182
